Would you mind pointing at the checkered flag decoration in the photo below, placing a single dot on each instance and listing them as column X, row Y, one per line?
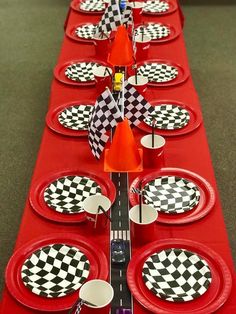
column 127, row 16
column 79, row 306
column 105, row 116
column 136, row 107
column 136, row 191
column 111, row 18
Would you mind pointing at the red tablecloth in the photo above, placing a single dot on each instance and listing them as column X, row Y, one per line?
column 58, row 153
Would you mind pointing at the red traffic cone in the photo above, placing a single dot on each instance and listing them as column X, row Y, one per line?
column 121, row 51
column 123, row 155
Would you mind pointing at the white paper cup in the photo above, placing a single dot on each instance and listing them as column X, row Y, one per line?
column 90, row 206
column 142, row 39
column 102, row 78
column 137, row 4
column 100, row 71
column 140, row 84
column 143, row 232
column 97, row 292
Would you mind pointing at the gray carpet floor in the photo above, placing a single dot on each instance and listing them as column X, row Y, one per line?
column 31, row 35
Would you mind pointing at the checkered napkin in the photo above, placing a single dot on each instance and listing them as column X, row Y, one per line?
column 55, row 270
column 136, row 107
column 176, row 275
column 111, row 18
column 105, row 116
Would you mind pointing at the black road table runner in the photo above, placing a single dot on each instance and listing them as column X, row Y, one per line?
column 120, row 230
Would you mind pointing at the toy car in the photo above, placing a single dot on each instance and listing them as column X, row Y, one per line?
column 118, row 82
column 123, row 311
column 118, row 251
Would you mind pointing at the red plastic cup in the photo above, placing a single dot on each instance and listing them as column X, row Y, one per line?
column 142, row 45
column 139, row 83
column 145, row 231
column 96, row 220
column 103, row 78
column 102, row 45
column 97, row 292
column 153, row 156
column 137, row 8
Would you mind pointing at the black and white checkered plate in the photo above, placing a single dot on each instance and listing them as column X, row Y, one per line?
column 86, row 31
column 81, row 72
column 55, row 270
column 158, row 72
column 168, row 117
column 171, row 194
column 153, row 30
column 155, row 6
column 92, row 5
column 176, row 275
column 66, row 194
column 76, row 117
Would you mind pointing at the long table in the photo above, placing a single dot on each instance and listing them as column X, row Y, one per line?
column 60, row 153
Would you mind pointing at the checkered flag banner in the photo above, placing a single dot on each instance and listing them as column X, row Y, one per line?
column 79, row 306
column 106, row 113
column 105, row 116
column 111, row 18
column 127, row 16
column 136, row 107
column 97, row 141
column 136, row 191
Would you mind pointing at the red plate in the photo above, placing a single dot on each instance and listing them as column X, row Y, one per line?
column 172, row 8
column 209, row 302
column 174, row 33
column 70, row 32
column 36, row 196
column 16, row 287
column 194, row 122
column 59, row 72
column 55, row 125
column 205, row 205
column 183, row 73
column 75, row 5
